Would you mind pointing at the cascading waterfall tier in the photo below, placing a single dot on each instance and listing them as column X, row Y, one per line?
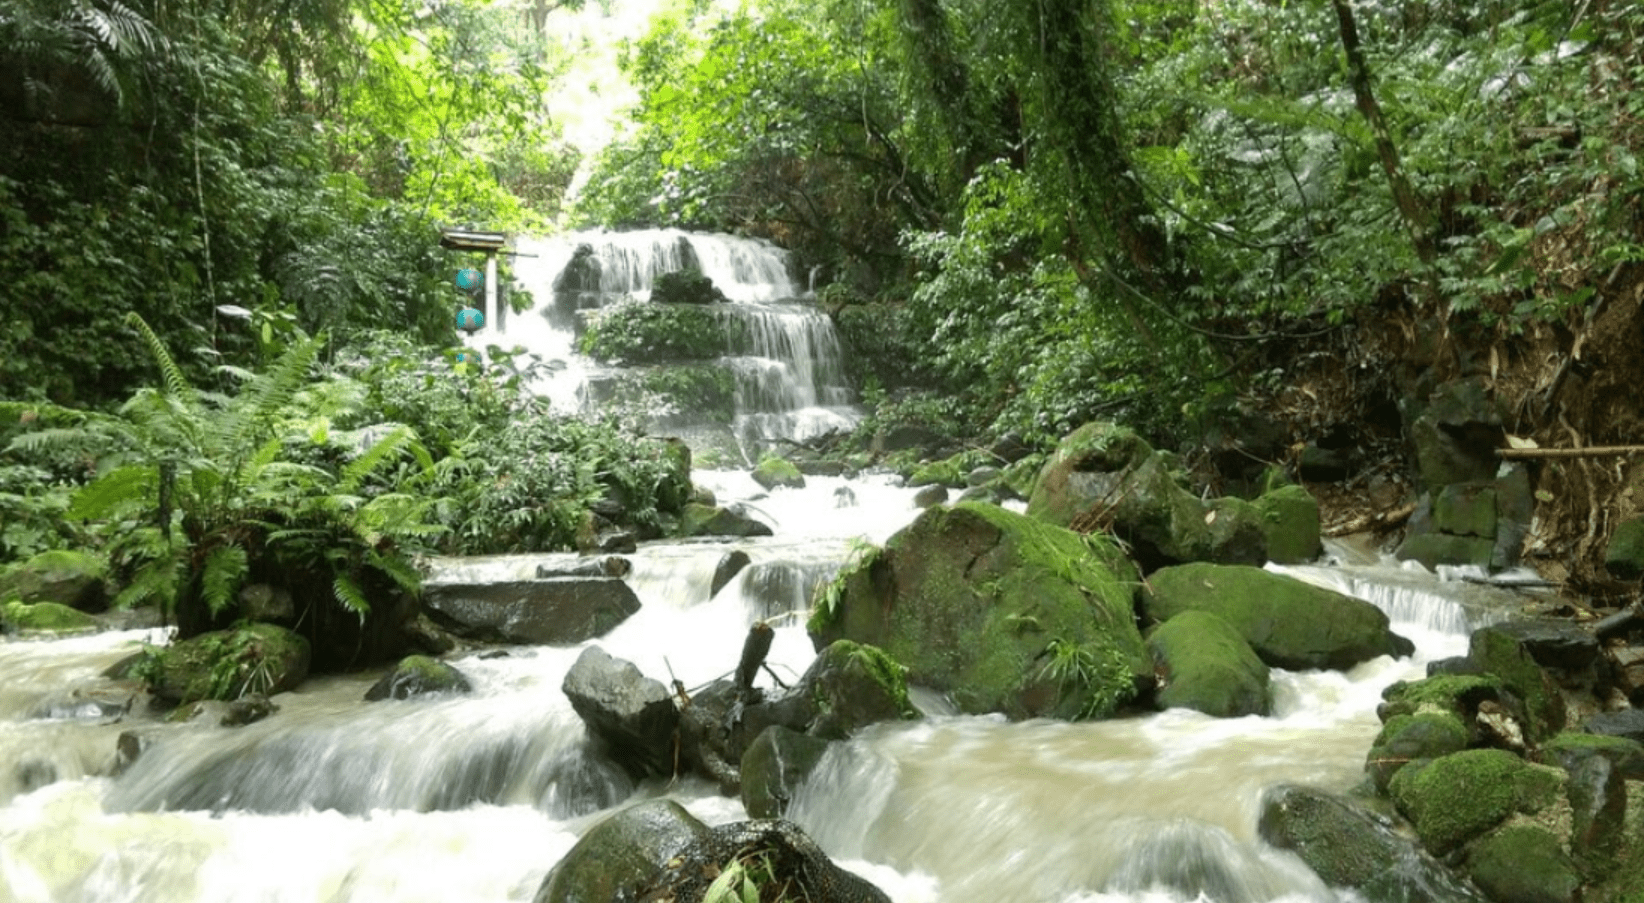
column 782, row 359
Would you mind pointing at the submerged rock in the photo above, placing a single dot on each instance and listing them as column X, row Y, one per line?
column 775, row 765
column 705, row 520
column 1290, row 624
column 228, row 664
column 1003, row 612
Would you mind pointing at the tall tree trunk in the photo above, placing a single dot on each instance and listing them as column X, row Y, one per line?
column 1415, row 217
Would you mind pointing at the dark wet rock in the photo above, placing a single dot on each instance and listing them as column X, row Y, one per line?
column 1524, row 864
column 1434, row 549
column 1010, row 448
column 902, row 437
column 1467, row 509
column 1459, row 797
column 1456, row 434
column 620, row 854
column 1290, row 624
column 1351, row 846
column 704, row 520
column 687, row 286
column 556, row 610
column 776, row 764
column 1205, row 664
column 1505, row 650
column 730, row 564
column 247, row 710
column 1628, row 723
column 931, row 495
column 713, row 735
column 617, row 542
column 32, row 774
column 1569, row 749
column 423, row 635
column 844, row 497
column 1322, row 465
column 786, row 855
column 418, row 675
column 1457, row 664
column 131, row 745
column 991, row 607
column 229, row 664
column 631, row 715
column 851, row 686
column 1620, row 623
column 1597, row 792
column 981, row 476
column 62, row 576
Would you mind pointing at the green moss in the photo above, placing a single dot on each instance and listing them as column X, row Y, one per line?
column 1290, row 524
column 773, row 472
column 1458, row 694
column 1625, row 883
column 228, row 664
column 45, row 617
column 825, row 606
column 1428, row 734
column 1460, row 796
column 1523, row 862
column 1498, row 652
column 1208, row 667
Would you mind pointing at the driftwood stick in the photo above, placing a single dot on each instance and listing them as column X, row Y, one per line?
column 1597, row 451
column 1380, row 520
column 754, row 650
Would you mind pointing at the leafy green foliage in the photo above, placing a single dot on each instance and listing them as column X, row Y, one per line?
column 637, row 330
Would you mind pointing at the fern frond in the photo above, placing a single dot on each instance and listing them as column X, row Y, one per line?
column 177, row 385
column 350, row 596
column 135, row 484
column 399, row 570
column 385, row 449
column 156, row 580
column 220, row 578
column 256, row 408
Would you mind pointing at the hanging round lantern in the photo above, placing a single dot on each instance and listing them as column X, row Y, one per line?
column 470, row 320
column 469, row 280
column 467, row 357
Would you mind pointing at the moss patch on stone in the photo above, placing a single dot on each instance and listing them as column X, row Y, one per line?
column 228, row 664
column 1500, row 653
column 774, row 472
column 1458, row 797
column 1523, row 862
column 1290, row 523
column 1458, row 694
column 44, row 617
column 1406, row 738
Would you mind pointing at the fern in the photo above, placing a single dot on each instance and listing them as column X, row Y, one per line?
column 220, row 578
column 349, row 596
column 387, row 448
column 177, row 385
column 113, row 490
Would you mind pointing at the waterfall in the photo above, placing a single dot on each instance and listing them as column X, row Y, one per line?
column 781, row 352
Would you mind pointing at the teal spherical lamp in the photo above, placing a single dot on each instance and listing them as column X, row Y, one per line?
column 470, row 320
column 469, row 280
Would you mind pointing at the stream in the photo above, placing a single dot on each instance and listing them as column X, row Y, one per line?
column 475, row 797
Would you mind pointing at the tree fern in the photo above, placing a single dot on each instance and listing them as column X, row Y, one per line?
column 115, row 489
column 220, row 577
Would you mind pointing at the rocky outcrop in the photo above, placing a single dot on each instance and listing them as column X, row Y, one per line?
column 714, row 520
column 1454, row 799
column 554, row 611
column 72, row 578
column 1290, row 624
column 1003, row 612
column 418, row 675
column 1204, row 664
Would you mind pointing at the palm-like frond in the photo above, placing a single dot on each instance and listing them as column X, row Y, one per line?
column 389, row 447
column 122, row 486
column 220, row 578
column 177, row 385
column 350, row 596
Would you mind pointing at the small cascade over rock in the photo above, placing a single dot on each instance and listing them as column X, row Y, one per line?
column 737, row 375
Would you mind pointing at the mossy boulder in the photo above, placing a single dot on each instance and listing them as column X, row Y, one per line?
column 1350, row 846
column 1004, row 612
column 227, row 664
column 853, row 686
column 418, row 675
column 1524, row 864
column 778, row 473
column 1501, row 649
column 620, row 854
column 1570, row 747
column 1456, row 798
column 714, row 520
column 1289, row 623
column 1466, row 510
column 1457, row 694
column 1624, row 558
column 1290, row 524
column 1204, row 664
column 1408, row 738
column 686, row 287
column 1106, row 476
column 64, row 576
column 44, row 617
column 1434, row 549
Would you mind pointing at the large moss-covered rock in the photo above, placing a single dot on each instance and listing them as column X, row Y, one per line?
column 1523, row 864
column 1466, row 510
column 63, row 576
column 1290, row 523
column 1204, row 664
column 714, row 520
column 778, row 473
column 1350, row 846
column 418, row 675
column 44, row 617
column 1004, row 612
column 228, row 664
column 1289, row 623
column 853, row 686
column 620, row 854
column 1624, row 558
column 1460, row 796
column 1457, row 694
column 1571, row 747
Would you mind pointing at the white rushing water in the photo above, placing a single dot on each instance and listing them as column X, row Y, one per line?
column 474, row 798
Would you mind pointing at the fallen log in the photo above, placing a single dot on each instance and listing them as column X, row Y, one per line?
column 1379, row 520
column 1597, row 451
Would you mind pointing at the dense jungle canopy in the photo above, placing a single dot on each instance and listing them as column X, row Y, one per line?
column 1026, row 214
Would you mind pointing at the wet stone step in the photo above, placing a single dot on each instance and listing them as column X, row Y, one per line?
column 551, row 611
